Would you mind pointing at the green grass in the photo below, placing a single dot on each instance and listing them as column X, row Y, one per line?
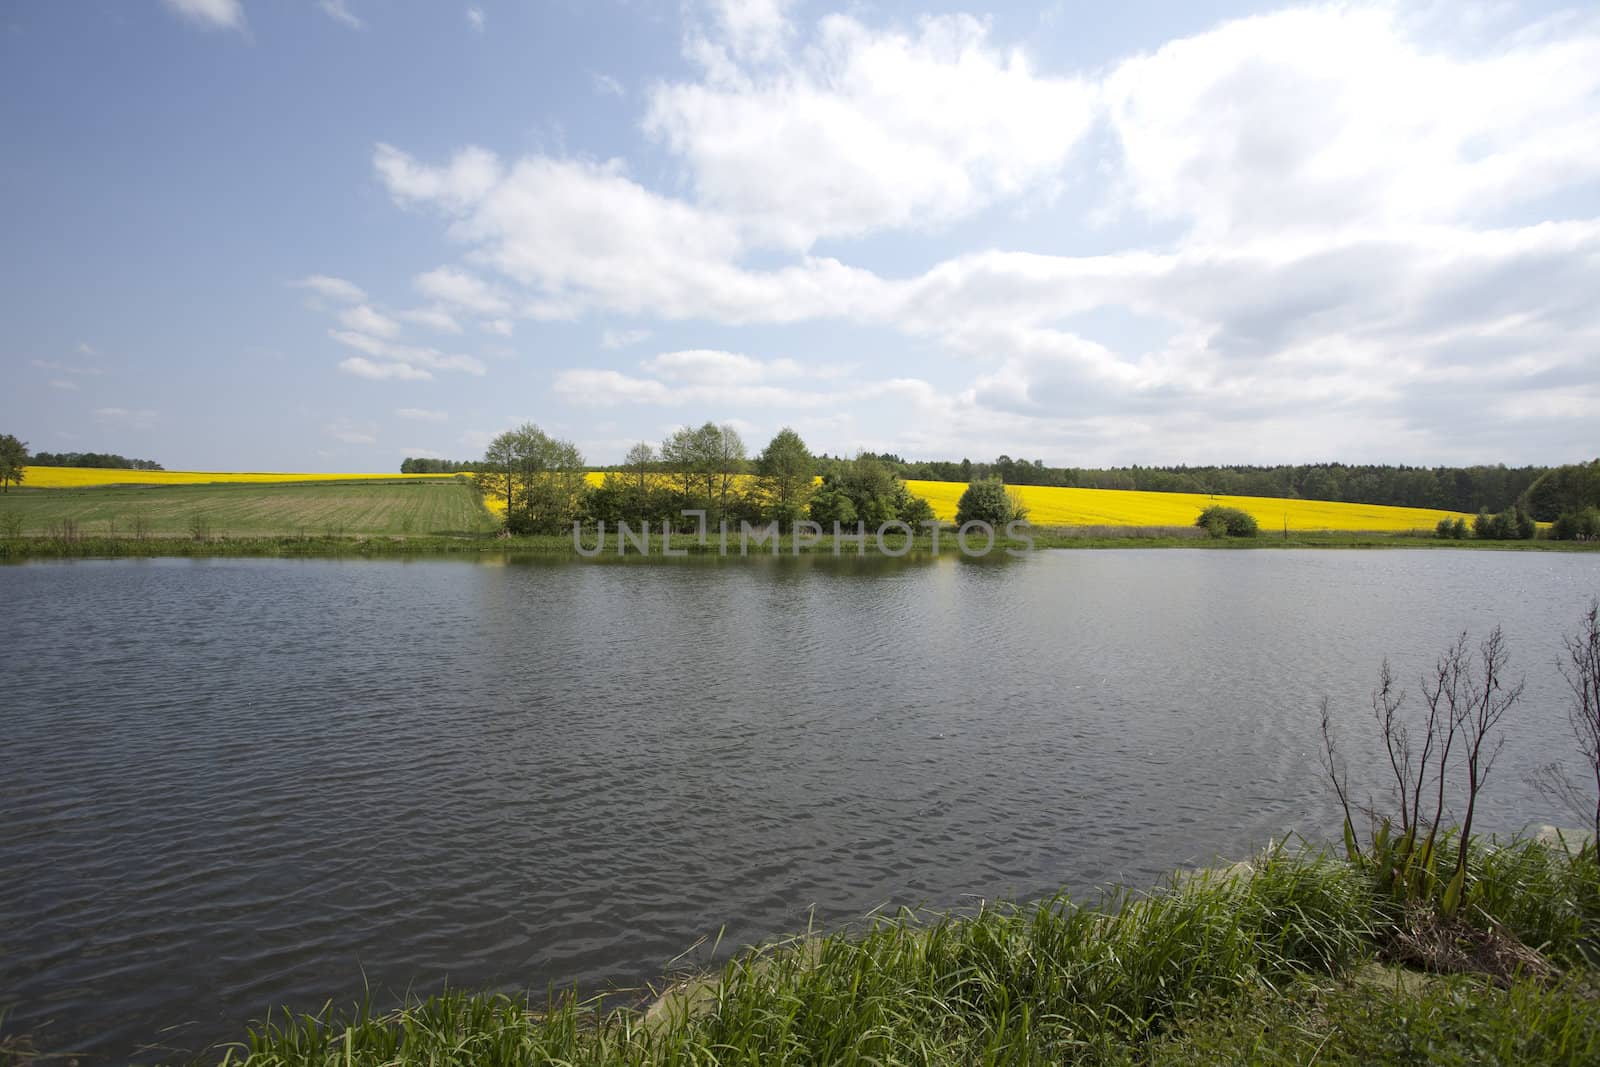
column 1273, row 962
column 377, row 508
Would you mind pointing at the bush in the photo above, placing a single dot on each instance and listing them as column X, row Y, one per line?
column 989, row 501
column 1577, row 525
column 1227, row 522
column 1452, row 529
column 1513, row 524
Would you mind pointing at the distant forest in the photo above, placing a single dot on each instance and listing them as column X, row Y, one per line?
column 102, row 460
column 1468, row 489
column 437, row 466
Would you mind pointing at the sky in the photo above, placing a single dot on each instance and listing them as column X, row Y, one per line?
column 324, row 235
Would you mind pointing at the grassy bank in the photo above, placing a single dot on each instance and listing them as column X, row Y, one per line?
column 1294, row 958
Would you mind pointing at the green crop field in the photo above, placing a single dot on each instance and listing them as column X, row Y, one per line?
column 447, row 506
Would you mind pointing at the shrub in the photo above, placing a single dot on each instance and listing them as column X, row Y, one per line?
column 988, row 501
column 1577, row 525
column 1227, row 522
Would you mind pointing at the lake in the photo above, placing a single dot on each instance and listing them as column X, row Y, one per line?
column 229, row 785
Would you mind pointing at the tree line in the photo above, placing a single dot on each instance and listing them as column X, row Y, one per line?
column 426, row 465
column 100, row 460
column 1466, row 489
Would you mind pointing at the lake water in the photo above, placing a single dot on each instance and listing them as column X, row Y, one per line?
column 229, row 785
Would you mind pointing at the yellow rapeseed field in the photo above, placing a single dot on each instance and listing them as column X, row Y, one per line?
column 1055, row 506
column 1047, row 505
column 90, row 477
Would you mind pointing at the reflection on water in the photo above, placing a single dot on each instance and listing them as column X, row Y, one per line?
column 235, row 784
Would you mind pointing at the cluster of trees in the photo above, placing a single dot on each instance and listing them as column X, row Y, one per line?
column 1467, row 489
column 697, row 468
column 102, row 460
column 422, row 465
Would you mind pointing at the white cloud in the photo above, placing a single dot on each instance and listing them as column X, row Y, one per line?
column 583, row 234
column 421, row 415
column 709, row 366
column 363, row 319
column 63, row 383
column 413, row 355
column 212, row 14
column 475, row 18
column 366, row 368
column 339, row 11
column 699, row 376
column 332, row 288
column 434, row 318
column 865, row 130
column 86, row 349
column 623, row 338
column 468, row 178
column 755, row 29
column 499, row 327
column 1338, row 117
column 460, row 289
column 606, row 85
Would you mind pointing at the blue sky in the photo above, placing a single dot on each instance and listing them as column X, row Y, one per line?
column 321, row 235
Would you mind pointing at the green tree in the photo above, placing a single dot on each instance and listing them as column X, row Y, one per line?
column 785, row 468
column 540, row 477
column 497, row 474
column 680, row 455
column 13, row 457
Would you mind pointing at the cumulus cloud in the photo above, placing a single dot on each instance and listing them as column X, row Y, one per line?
column 1367, row 239
column 697, row 376
column 434, row 318
column 380, row 371
column 420, row 415
column 211, row 14
column 413, row 355
column 623, row 338
column 865, row 129
column 475, row 18
column 365, row 320
column 1339, row 117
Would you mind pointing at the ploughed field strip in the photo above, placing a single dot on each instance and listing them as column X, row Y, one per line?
column 394, row 507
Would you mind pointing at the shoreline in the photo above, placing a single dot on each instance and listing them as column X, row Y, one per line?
column 560, row 546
